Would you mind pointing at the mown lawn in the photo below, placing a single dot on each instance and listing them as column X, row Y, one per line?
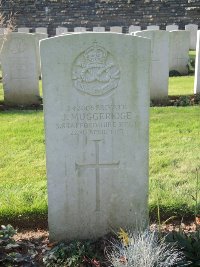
column 183, row 85
column 22, row 164
column 174, row 157
column 177, row 86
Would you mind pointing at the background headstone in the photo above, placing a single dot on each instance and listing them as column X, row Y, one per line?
column 19, row 69
column 41, row 30
column 96, row 118
column 192, row 28
column 2, row 38
column 160, row 62
column 197, row 66
column 172, row 27
column 23, row 29
column 153, row 27
column 133, row 28
column 39, row 37
column 179, row 42
column 117, row 29
column 61, row 30
column 79, row 29
column 98, row 29
column 2, row 30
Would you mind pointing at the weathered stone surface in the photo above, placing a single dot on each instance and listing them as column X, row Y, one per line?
column 192, row 28
column 96, row 118
column 19, row 68
column 153, row 27
column 133, row 28
column 23, row 29
column 172, row 27
column 2, row 30
column 2, row 38
column 117, row 29
column 79, row 29
column 39, row 37
column 98, row 29
column 179, row 43
column 197, row 66
column 61, row 30
column 41, row 30
column 159, row 63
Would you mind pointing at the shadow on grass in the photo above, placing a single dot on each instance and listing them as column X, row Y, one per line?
column 34, row 221
column 29, row 221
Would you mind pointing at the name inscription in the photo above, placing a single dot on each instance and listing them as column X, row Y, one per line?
column 97, row 119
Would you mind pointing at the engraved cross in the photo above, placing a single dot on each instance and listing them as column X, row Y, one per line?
column 97, row 166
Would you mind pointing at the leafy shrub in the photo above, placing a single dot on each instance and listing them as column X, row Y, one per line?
column 6, row 234
column 74, row 254
column 174, row 73
column 188, row 243
column 183, row 101
column 9, row 250
column 197, row 98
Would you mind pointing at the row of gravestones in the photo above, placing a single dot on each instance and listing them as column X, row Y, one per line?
column 20, row 62
column 192, row 28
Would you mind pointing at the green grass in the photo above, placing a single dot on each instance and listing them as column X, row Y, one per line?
column 174, row 156
column 192, row 54
column 22, row 165
column 183, row 85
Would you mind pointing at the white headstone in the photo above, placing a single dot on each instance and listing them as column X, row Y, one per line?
column 172, row 27
column 19, row 69
column 2, row 38
column 192, row 28
column 23, row 29
column 160, row 62
column 79, row 29
column 39, row 37
column 41, row 30
column 197, row 66
column 133, row 28
column 98, row 29
column 117, row 29
column 61, row 30
column 96, row 118
column 153, row 27
column 179, row 51
column 2, row 30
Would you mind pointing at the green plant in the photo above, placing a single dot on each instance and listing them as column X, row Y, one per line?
column 183, row 101
column 191, row 66
column 6, row 234
column 188, row 243
column 174, row 73
column 197, row 98
column 12, row 253
column 74, row 254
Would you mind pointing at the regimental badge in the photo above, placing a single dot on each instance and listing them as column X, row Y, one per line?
column 95, row 72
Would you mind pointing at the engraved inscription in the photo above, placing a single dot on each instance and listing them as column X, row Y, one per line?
column 97, row 119
column 95, row 72
column 97, row 166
